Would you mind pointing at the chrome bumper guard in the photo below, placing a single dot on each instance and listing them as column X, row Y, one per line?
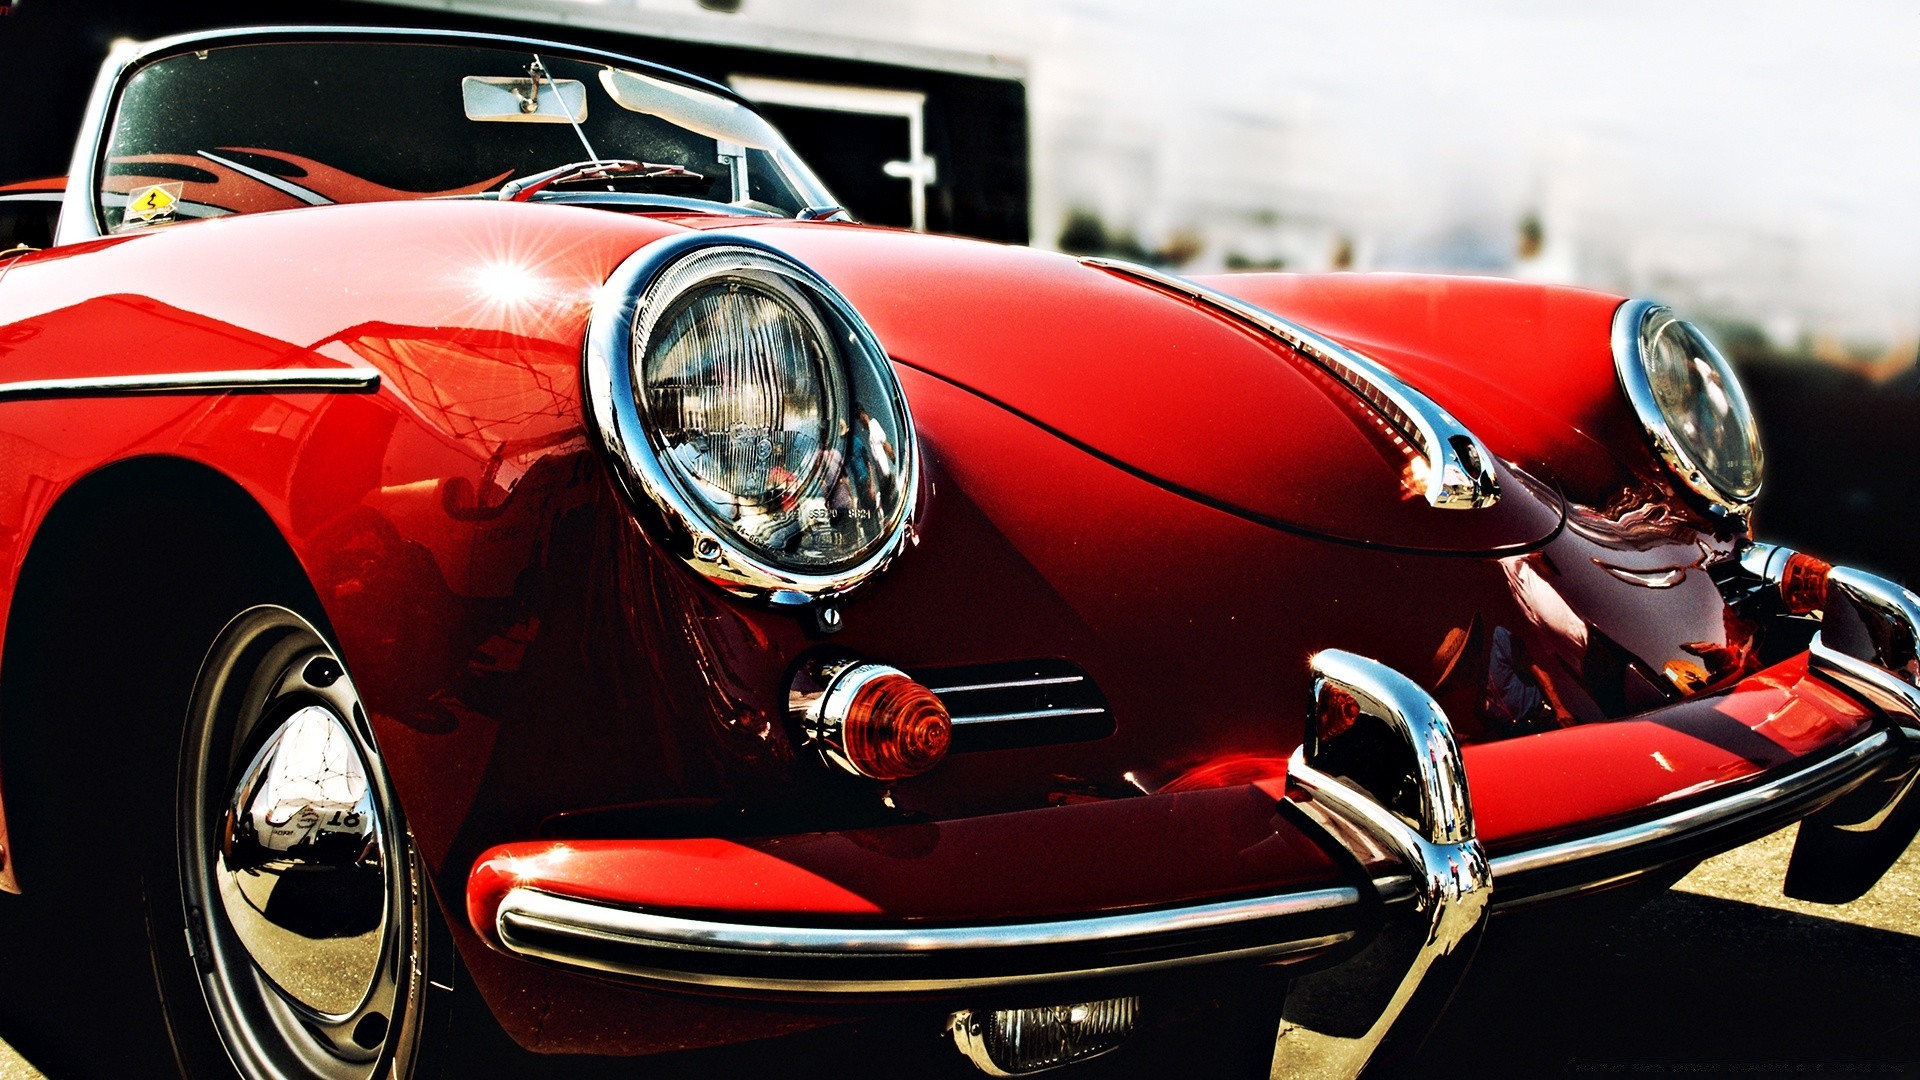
column 1355, row 779
column 1382, row 773
column 1869, row 642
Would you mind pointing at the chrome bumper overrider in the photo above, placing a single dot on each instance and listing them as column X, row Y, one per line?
column 1410, row 811
column 1869, row 642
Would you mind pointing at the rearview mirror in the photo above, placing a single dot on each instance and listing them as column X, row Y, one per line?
column 524, row 101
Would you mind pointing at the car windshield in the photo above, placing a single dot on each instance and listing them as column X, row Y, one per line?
column 245, row 128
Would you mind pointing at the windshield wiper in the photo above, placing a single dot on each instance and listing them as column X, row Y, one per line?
column 527, row 186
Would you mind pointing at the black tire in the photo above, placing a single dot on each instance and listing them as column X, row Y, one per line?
column 122, row 677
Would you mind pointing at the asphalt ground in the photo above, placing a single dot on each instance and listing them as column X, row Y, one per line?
column 1719, row 977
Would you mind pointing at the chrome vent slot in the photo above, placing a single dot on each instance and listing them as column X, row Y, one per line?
column 1019, row 703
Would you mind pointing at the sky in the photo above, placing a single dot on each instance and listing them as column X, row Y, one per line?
column 1755, row 161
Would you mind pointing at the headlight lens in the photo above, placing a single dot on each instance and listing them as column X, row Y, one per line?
column 1690, row 402
column 766, row 423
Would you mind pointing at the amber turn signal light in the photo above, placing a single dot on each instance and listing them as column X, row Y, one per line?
column 1803, row 584
column 871, row 720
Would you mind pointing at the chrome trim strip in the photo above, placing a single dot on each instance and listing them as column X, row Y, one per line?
column 1014, row 684
column 1038, row 714
column 356, row 380
column 584, row 926
column 1335, row 1021
column 1831, row 772
column 893, row 941
column 1460, row 472
column 31, row 196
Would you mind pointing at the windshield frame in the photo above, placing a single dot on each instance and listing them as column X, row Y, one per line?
column 81, row 217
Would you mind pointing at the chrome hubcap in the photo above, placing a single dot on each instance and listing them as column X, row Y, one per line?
column 301, row 871
column 303, row 898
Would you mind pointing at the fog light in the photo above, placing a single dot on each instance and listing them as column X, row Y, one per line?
column 871, row 720
column 1015, row 1042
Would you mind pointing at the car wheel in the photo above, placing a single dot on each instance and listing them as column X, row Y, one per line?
column 143, row 677
column 304, row 904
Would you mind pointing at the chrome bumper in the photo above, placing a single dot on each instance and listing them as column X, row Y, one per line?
column 1689, row 835
column 1382, row 775
column 1410, row 811
column 1411, row 927
column 897, row 960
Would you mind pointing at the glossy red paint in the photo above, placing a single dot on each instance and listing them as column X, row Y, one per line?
column 478, row 340
column 540, row 671
column 1199, row 404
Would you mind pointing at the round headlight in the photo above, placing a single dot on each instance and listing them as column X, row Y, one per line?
column 751, row 406
column 1689, row 402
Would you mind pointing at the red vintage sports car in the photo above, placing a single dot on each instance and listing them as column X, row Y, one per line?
column 490, row 547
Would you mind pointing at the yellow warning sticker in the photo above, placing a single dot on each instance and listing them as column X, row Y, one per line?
column 153, row 204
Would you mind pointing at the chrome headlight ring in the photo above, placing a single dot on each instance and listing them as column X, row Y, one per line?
column 654, row 314
column 1690, row 404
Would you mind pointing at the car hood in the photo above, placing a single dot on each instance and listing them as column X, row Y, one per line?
column 1158, row 386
